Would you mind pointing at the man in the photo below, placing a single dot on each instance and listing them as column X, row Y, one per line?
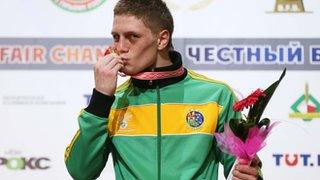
column 160, row 123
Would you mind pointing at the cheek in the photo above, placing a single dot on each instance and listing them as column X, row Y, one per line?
column 146, row 52
column 149, row 56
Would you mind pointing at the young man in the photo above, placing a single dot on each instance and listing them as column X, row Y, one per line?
column 160, row 123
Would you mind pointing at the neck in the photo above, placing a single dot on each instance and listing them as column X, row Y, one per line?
column 169, row 70
column 162, row 76
column 163, row 60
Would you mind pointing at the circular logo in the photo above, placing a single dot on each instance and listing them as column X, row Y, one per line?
column 192, row 5
column 123, row 124
column 194, row 119
column 78, row 5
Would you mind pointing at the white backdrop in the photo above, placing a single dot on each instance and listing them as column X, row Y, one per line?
column 39, row 107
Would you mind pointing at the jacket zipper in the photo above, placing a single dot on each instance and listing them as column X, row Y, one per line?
column 158, row 133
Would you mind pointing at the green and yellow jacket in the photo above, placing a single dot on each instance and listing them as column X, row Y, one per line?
column 161, row 129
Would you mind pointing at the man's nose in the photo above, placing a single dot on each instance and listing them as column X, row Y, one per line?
column 122, row 46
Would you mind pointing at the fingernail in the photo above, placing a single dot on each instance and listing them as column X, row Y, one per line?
column 244, row 161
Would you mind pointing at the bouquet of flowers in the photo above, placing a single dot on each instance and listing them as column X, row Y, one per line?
column 244, row 137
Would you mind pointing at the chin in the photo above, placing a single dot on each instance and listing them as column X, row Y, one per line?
column 129, row 72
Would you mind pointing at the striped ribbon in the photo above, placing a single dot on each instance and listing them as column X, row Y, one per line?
column 159, row 75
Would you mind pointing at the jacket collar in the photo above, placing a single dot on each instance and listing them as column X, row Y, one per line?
column 176, row 59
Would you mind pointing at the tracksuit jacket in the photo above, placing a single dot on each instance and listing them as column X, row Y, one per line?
column 155, row 130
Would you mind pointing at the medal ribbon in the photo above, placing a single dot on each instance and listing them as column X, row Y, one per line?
column 159, row 75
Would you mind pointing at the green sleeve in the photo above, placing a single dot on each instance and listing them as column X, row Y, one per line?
column 225, row 115
column 88, row 152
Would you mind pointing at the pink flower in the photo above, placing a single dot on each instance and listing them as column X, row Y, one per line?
column 248, row 101
column 230, row 143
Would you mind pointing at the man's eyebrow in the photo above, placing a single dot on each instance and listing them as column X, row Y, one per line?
column 126, row 32
column 131, row 32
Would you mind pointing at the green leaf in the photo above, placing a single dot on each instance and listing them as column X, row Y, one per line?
column 257, row 109
column 264, row 122
column 240, row 128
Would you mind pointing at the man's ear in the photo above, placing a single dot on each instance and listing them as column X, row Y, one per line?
column 163, row 39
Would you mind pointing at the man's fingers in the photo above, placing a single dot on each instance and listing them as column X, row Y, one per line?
column 240, row 175
column 256, row 162
column 107, row 63
column 235, row 178
column 106, row 59
column 112, row 69
column 247, row 169
column 117, row 68
column 244, row 161
column 109, row 69
column 113, row 62
column 245, row 172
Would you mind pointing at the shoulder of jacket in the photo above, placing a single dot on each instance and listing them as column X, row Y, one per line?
column 123, row 86
column 205, row 79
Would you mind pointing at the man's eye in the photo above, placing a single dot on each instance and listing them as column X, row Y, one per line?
column 133, row 36
column 115, row 38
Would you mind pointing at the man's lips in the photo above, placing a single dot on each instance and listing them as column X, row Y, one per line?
column 125, row 60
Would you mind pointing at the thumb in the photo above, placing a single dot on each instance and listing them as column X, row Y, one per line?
column 256, row 162
column 243, row 161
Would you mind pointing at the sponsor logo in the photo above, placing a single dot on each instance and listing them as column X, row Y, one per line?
column 13, row 160
column 198, row 54
column 56, row 55
column 78, row 5
column 306, row 107
column 191, row 5
column 203, row 54
column 25, row 100
column 289, row 6
column 194, row 119
column 296, row 160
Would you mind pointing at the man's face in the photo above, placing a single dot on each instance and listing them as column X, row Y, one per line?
column 135, row 44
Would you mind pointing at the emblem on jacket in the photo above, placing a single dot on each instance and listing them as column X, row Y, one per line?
column 194, row 119
column 124, row 122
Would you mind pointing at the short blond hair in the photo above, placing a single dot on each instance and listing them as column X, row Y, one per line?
column 154, row 13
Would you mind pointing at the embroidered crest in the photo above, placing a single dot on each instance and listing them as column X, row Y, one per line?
column 194, row 119
column 124, row 122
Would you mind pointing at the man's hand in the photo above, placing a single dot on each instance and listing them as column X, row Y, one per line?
column 244, row 171
column 106, row 73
